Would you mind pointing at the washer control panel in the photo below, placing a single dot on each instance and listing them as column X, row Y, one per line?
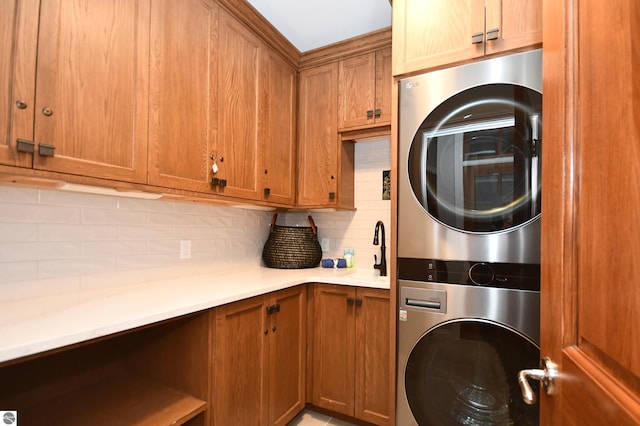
column 522, row 276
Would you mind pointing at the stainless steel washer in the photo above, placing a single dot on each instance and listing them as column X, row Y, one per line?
column 460, row 348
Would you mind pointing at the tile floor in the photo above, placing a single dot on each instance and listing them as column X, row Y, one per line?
column 311, row 418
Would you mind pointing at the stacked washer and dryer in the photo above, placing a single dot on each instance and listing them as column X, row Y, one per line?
column 469, row 242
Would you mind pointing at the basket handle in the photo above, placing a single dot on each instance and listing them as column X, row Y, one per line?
column 313, row 226
column 273, row 222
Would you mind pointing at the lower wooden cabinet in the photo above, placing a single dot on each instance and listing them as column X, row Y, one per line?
column 259, row 360
column 350, row 353
column 154, row 376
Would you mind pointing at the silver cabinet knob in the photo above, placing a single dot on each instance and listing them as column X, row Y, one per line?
column 47, row 111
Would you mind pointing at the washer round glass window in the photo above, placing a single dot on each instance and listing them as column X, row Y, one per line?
column 465, row 373
column 474, row 163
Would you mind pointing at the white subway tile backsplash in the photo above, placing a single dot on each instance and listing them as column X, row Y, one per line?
column 18, row 271
column 17, row 252
column 76, row 266
column 114, row 248
column 114, row 216
column 18, row 232
column 70, row 232
column 146, row 261
column 55, row 241
column 126, row 232
column 32, row 213
column 19, row 194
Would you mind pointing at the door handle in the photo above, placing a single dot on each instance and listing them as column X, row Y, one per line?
column 546, row 374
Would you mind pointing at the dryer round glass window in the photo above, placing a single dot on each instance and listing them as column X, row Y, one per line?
column 474, row 163
column 465, row 372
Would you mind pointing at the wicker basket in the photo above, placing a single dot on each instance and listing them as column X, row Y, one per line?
column 292, row 247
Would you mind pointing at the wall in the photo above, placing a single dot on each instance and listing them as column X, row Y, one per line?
column 58, row 241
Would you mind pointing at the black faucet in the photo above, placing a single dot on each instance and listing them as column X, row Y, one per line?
column 382, row 266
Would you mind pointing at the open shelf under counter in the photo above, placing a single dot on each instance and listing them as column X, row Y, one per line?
column 123, row 399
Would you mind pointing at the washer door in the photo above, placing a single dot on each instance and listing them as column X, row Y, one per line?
column 474, row 163
column 464, row 372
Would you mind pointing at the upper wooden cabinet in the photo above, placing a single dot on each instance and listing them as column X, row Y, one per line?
column 325, row 165
column 18, row 42
column 256, row 118
column 364, row 91
column 238, row 149
column 227, row 126
column 259, row 360
column 430, row 34
column 88, row 111
column 351, row 369
column 183, row 93
column 277, row 130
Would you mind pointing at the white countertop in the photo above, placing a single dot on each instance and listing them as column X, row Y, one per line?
column 30, row 326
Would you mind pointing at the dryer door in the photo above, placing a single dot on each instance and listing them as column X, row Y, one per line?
column 474, row 163
column 464, row 372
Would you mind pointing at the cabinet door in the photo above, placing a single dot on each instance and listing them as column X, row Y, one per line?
column 356, row 91
column 18, row 42
column 287, row 355
column 373, row 369
column 238, row 108
column 92, row 88
column 278, row 130
column 334, row 348
column 383, row 87
column 519, row 24
column 318, row 136
column 239, row 364
column 182, row 85
column 428, row 34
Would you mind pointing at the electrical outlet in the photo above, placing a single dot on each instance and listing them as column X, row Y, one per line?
column 325, row 244
column 185, row 249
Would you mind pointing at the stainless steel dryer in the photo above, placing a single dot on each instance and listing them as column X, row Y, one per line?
column 469, row 162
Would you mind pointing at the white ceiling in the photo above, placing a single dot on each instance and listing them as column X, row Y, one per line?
column 309, row 24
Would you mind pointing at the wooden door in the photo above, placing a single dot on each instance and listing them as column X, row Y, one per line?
column 92, row 88
column 287, row 355
column 18, row 42
column 374, row 378
column 334, row 348
column 240, row 363
column 428, row 34
column 383, row 87
column 356, row 91
column 238, row 108
column 519, row 24
column 590, row 283
column 318, row 136
column 278, row 130
column 182, row 91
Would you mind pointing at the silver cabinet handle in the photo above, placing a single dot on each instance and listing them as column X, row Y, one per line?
column 493, row 34
column 477, row 38
column 546, row 374
column 47, row 111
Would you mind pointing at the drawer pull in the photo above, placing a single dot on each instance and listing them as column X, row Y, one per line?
column 423, row 304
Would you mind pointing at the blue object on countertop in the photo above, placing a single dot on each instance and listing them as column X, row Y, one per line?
column 342, row 263
column 327, row 263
